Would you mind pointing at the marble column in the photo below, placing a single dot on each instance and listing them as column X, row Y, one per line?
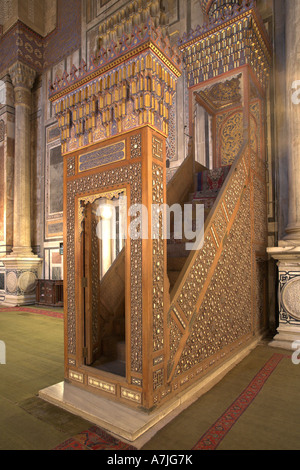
column 22, row 266
column 287, row 254
column 293, row 118
column 22, row 78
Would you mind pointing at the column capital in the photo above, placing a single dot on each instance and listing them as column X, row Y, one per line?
column 22, row 75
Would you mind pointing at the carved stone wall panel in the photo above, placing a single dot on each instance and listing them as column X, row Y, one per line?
column 20, row 282
column 11, row 282
column 53, row 188
column 288, row 293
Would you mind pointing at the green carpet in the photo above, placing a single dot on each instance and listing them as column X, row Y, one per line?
column 34, row 350
column 34, row 344
column 271, row 422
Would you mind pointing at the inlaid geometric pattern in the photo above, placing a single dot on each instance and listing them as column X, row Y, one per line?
column 103, row 156
column 157, row 148
column 92, row 184
column 136, row 146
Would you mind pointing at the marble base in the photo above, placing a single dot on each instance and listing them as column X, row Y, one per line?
column 21, row 275
column 18, row 300
column 286, row 337
column 287, row 256
column 132, row 425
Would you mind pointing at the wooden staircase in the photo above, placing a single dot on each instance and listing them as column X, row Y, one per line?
column 208, row 184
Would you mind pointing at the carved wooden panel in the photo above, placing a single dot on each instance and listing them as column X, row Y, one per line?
column 91, row 185
column 224, row 315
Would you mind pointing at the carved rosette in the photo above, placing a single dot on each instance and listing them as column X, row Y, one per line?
column 21, row 282
column 289, row 288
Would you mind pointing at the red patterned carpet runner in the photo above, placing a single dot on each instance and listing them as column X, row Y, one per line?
column 213, row 437
column 48, row 313
column 94, row 439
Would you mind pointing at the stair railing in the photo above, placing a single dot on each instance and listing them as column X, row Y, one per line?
column 190, row 289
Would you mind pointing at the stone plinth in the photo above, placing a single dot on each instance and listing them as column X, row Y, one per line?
column 136, row 426
column 22, row 266
column 20, row 280
column 288, row 261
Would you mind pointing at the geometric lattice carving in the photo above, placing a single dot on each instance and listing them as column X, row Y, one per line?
column 157, row 148
column 223, row 317
column 232, row 137
column 136, row 146
column 71, row 166
column 91, row 185
column 220, row 302
column 158, row 263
